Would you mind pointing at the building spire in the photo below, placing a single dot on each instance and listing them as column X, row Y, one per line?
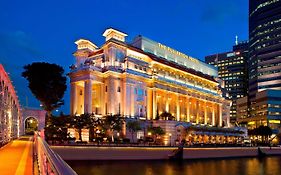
column 236, row 40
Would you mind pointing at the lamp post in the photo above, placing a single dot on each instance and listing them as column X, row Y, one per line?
column 170, row 139
column 97, row 132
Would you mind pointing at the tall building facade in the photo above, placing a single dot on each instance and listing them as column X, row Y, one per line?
column 264, row 46
column 232, row 70
column 10, row 118
column 143, row 80
column 264, row 65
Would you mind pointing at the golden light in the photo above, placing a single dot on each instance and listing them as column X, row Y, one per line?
column 149, row 133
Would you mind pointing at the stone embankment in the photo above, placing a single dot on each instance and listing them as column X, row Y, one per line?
column 157, row 153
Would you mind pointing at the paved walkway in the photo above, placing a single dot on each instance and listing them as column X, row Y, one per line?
column 16, row 157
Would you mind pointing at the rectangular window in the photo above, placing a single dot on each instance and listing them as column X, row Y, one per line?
column 105, row 88
column 118, row 89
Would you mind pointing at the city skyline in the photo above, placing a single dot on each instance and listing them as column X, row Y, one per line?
column 203, row 27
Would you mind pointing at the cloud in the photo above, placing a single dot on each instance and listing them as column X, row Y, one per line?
column 17, row 43
column 218, row 11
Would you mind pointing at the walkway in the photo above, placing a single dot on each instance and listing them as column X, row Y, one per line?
column 16, row 157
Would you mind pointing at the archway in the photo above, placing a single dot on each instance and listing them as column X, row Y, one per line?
column 30, row 125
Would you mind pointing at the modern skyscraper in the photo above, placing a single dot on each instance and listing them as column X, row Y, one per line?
column 264, row 46
column 263, row 105
column 232, row 69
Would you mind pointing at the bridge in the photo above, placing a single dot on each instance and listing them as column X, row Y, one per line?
column 31, row 155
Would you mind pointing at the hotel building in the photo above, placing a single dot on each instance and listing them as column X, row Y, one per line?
column 10, row 118
column 232, row 69
column 142, row 80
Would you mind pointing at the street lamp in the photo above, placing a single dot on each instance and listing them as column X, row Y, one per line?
column 170, row 139
column 97, row 132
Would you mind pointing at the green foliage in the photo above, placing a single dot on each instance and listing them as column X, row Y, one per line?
column 84, row 121
column 133, row 126
column 166, row 116
column 112, row 122
column 57, row 129
column 158, row 131
column 264, row 131
column 47, row 83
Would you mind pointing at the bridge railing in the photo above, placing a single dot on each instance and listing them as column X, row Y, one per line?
column 49, row 162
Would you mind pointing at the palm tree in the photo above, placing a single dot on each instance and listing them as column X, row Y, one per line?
column 265, row 132
column 112, row 123
column 84, row 121
column 133, row 126
column 156, row 131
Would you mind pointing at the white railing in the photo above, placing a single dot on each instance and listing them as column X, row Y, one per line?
column 49, row 163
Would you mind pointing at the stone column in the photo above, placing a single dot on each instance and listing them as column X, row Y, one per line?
column 213, row 115
column 167, row 102
column 149, row 106
column 132, row 100
column 178, row 107
column 73, row 99
column 187, row 109
column 154, row 109
column 220, row 115
column 205, row 113
column 88, row 97
column 102, row 101
column 197, row 111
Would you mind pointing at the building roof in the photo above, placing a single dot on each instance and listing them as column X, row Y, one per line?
column 165, row 61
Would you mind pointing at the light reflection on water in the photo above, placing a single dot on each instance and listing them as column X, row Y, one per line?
column 238, row 166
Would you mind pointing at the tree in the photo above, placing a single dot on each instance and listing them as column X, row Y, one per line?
column 133, row 126
column 47, row 83
column 57, row 130
column 112, row 123
column 156, row 131
column 167, row 116
column 265, row 132
column 84, row 121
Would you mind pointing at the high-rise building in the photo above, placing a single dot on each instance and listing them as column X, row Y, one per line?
column 264, row 46
column 263, row 105
column 232, row 69
column 143, row 80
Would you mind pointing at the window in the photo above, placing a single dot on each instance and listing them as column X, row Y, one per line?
column 118, row 89
column 105, row 88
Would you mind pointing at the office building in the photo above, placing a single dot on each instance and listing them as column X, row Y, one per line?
column 232, row 70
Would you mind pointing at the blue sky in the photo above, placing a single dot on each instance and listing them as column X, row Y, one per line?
column 35, row 30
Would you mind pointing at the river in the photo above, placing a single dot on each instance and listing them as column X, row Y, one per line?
column 233, row 166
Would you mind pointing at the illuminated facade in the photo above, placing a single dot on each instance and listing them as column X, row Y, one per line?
column 142, row 80
column 10, row 118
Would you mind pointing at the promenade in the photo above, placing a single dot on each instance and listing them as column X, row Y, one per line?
column 16, row 157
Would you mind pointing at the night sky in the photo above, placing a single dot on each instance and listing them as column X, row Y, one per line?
column 33, row 30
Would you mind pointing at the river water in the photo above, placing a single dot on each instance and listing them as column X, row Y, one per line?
column 234, row 166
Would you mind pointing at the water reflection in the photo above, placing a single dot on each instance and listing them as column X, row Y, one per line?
column 241, row 166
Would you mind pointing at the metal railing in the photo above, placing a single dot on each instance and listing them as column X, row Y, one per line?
column 49, row 163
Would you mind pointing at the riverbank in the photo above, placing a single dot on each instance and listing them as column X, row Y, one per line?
column 157, row 153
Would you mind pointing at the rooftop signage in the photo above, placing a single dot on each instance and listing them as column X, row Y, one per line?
column 161, row 46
